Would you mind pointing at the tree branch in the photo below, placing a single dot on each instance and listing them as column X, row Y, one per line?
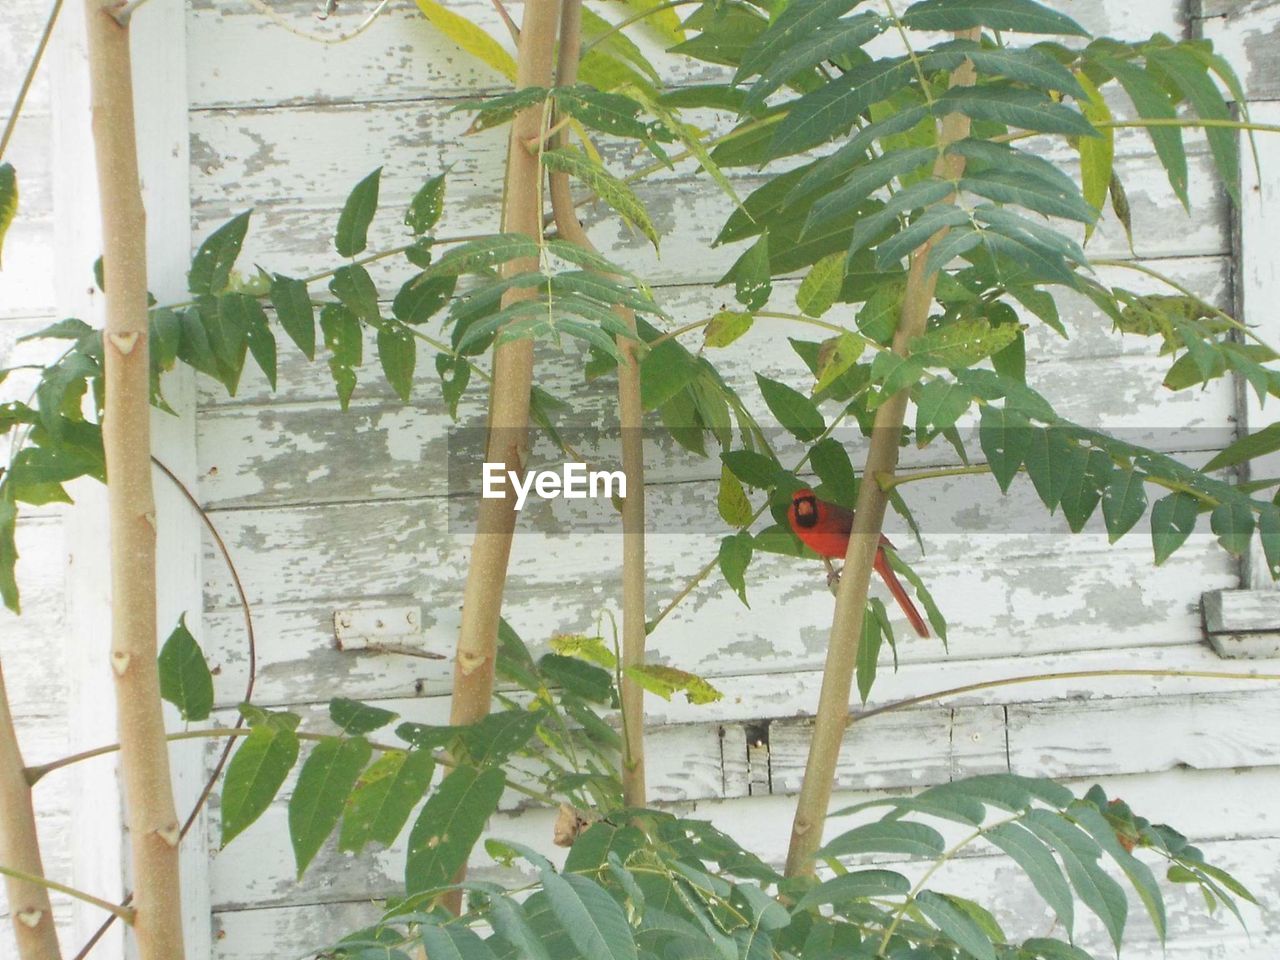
column 20, row 848
column 631, row 423
column 144, row 760
column 864, row 540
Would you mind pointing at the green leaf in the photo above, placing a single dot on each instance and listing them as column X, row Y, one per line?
column 510, row 924
column 449, row 825
column 1123, row 502
column 293, row 308
column 1036, row 861
column 469, row 37
column 582, row 679
column 864, row 181
column 355, row 288
column 398, row 354
column 666, row 681
column 592, row 918
column 1053, row 950
column 426, row 206
column 735, row 557
column 1048, row 458
column 1032, row 192
column 355, row 718
column 665, row 23
column 614, row 192
column 962, row 343
column 421, row 298
column 255, row 774
column 752, row 282
column 831, row 463
column 1005, row 438
column 1172, row 520
column 1248, row 447
column 830, row 40
column 954, row 923
column 455, row 374
column 893, row 836
column 939, row 404
column 753, row 469
column 821, row 285
column 1079, row 854
column 1188, row 75
column 797, row 21
column 343, row 339
column 8, row 200
column 731, row 501
column 451, row 941
column 324, row 784
column 383, row 797
column 726, row 327
column 477, row 256
column 610, row 113
column 795, row 412
column 212, row 264
column 852, row 887
column 1269, row 535
column 252, row 319
column 869, row 654
column 8, row 553
column 492, row 739
column 185, row 680
column 1232, row 522
column 1138, row 873
column 1028, row 109
column 352, row 235
column 1153, row 103
column 1022, row 16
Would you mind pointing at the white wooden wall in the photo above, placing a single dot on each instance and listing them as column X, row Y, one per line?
column 326, row 511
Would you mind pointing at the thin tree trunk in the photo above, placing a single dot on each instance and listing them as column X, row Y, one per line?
column 630, row 420
column 20, row 848
column 509, row 393
column 864, row 541
column 144, row 756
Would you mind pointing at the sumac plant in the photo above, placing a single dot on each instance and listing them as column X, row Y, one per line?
column 912, row 169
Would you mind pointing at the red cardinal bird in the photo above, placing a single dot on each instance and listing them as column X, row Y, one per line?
column 824, row 528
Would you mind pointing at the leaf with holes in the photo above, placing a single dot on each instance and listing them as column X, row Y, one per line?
column 616, row 193
column 256, row 773
column 449, row 825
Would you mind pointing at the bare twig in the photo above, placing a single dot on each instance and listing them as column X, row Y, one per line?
column 32, row 67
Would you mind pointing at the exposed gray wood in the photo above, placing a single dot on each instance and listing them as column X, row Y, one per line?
column 1202, row 732
column 1247, row 33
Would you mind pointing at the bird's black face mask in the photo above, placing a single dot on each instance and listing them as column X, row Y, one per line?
column 806, row 511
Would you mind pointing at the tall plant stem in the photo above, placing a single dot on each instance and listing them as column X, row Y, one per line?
column 851, row 597
column 630, row 420
column 144, row 758
column 508, row 393
column 20, row 849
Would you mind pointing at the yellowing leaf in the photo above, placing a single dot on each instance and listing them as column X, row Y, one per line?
column 469, row 37
column 665, row 681
column 579, row 645
column 726, row 327
column 835, row 357
column 1096, row 153
column 607, row 187
column 664, row 22
column 732, row 500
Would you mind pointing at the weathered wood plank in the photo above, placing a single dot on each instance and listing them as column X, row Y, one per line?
column 282, row 455
column 400, row 57
column 1247, row 34
column 1063, row 739
column 1091, row 337
column 249, row 166
column 301, row 566
column 1206, row 731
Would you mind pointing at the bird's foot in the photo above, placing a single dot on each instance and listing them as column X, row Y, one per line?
column 833, row 576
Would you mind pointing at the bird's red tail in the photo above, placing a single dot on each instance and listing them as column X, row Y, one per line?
column 900, row 594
